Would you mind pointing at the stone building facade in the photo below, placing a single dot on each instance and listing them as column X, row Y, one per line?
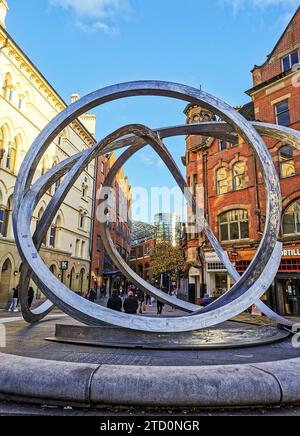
column 27, row 103
column 234, row 194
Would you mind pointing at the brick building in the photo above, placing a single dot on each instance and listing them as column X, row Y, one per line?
column 234, row 194
column 103, row 270
column 142, row 246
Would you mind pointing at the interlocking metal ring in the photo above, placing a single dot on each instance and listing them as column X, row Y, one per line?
column 247, row 290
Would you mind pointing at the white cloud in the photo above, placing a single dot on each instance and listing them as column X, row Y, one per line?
column 152, row 160
column 92, row 15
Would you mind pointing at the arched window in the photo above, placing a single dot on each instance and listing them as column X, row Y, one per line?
column 239, row 176
column 286, row 162
column 2, row 145
column 11, row 156
column 4, row 215
column 291, row 219
column 45, row 166
column 53, row 238
column 233, row 225
column 8, row 87
column 82, row 219
column 222, row 182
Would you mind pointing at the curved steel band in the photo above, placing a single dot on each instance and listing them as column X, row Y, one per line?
column 248, row 289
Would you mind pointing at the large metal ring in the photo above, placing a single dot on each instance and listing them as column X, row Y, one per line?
column 249, row 288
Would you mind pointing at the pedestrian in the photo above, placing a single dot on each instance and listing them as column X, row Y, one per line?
column 148, row 300
column 103, row 291
column 91, row 296
column 115, row 302
column 206, row 300
column 131, row 304
column 173, row 294
column 141, row 300
column 15, row 301
column 30, row 296
column 160, row 306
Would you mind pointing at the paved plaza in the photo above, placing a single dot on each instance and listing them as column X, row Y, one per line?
column 30, row 341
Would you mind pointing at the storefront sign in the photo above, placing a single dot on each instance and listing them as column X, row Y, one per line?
column 292, row 252
column 212, row 258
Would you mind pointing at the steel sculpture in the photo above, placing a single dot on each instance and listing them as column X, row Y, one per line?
column 247, row 290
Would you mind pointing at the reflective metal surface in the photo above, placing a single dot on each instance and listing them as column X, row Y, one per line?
column 248, row 289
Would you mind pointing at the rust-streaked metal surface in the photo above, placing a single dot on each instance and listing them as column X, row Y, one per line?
column 248, row 289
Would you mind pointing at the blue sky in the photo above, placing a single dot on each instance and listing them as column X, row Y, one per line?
column 83, row 45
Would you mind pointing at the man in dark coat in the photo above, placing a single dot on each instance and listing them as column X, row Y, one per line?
column 131, row 304
column 91, row 296
column 30, row 296
column 115, row 302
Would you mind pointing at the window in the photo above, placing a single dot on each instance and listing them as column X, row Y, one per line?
column 234, row 225
column 3, row 222
column 52, row 239
column 223, row 145
column 283, row 114
column 11, row 95
column 2, row 145
column 11, row 158
column 286, row 162
column 291, row 219
column 195, row 184
column 20, row 104
column 239, row 176
column 222, row 182
column 98, row 243
column 289, row 61
column 81, row 221
column 102, row 168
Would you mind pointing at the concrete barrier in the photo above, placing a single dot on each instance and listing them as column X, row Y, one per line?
column 51, row 382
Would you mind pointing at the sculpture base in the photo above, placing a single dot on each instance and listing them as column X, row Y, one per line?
column 214, row 338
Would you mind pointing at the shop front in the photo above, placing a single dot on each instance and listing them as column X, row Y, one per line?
column 287, row 283
column 217, row 278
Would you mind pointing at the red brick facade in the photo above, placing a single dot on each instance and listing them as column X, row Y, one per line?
column 273, row 86
column 140, row 259
column 102, row 268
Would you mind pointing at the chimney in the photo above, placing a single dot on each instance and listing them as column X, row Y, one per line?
column 3, row 12
column 88, row 120
column 75, row 97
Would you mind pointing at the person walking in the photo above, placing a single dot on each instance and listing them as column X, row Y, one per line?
column 115, row 302
column 160, row 306
column 30, row 296
column 131, row 304
column 206, row 300
column 141, row 301
column 91, row 296
column 173, row 294
column 15, row 301
column 148, row 300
